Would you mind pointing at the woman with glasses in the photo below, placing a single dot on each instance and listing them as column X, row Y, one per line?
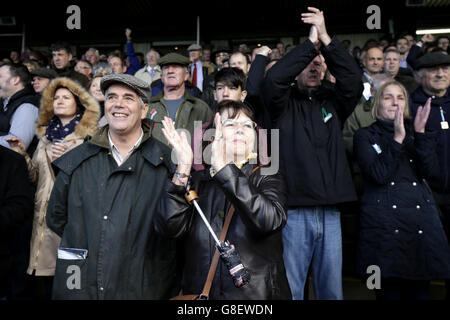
column 231, row 177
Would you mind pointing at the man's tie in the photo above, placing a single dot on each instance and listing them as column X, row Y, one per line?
column 153, row 73
column 194, row 75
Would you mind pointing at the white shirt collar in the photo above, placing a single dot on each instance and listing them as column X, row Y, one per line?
column 116, row 153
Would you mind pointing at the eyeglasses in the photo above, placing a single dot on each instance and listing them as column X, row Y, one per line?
column 233, row 124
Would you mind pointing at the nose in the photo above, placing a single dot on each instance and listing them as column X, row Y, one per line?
column 440, row 72
column 395, row 101
column 226, row 92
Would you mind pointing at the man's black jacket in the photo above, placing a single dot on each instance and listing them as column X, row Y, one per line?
column 312, row 153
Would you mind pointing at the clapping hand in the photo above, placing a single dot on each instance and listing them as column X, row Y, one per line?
column 422, row 117
column 316, row 19
column 399, row 126
column 182, row 149
column 218, row 160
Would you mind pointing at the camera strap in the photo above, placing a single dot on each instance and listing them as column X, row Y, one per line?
column 215, row 260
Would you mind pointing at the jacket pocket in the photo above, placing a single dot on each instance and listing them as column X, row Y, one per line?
column 70, row 279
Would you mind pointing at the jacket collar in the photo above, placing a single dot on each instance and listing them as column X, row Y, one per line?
column 160, row 97
column 152, row 151
column 325, row 90
column 420, row 96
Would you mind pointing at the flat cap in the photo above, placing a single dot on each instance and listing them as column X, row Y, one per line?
column 432, row 59
column 139, row 86
column 174, row 58
column 194, row 46
column 44, row 73
column 221, row 49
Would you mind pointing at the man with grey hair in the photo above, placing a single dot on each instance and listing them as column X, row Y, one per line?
column 175, row 101
column 392, row 68
column 102, row 206
column 433, row 75
column 151, row 71
column 93, row 56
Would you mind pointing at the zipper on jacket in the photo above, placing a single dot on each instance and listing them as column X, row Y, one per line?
column 44, row 226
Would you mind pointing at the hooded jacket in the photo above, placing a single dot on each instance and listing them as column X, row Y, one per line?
column 44, row 242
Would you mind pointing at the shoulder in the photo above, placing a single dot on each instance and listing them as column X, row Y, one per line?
column 70, row 161
column 157, row 153
column 27, row 108
column 141, row 71
column 9, row 157
column 365, row 132
column 198, row 104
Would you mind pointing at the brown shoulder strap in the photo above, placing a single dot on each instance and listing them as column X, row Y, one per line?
column 215, row 260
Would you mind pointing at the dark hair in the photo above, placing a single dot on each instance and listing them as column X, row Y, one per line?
column 85, row 61
column 115, row 55
column 438, row 49
column 61, row 46
column 20, row 71
column 80, row 107
column 237, row 107
column 231, row 77
column 371, row 43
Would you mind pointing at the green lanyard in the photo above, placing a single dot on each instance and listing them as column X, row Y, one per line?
column 325, row 115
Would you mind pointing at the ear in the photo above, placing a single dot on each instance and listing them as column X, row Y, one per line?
column 144, row 111
column 418, row 77
column 186, row 76
column 243, row 95
column 124, row 69
column 70, row 56
column 215, row 95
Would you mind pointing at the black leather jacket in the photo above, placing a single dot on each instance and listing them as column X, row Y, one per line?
column 255, row 230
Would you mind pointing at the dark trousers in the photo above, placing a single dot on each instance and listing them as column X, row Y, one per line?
column 403, row 289
column 21, row 284
column 43, row 287
column 445, row 217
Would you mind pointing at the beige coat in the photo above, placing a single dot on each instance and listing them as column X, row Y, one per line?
column 44, row 242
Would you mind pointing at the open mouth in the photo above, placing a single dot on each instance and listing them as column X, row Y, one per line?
column 119, row 115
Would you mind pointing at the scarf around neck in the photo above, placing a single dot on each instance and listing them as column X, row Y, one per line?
column 56, row 130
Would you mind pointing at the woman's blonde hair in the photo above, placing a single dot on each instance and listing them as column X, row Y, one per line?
column 379, row 94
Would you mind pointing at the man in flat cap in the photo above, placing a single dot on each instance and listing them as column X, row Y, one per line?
column 41, row 78
column 175, row 101
column 198, row 70
column 433, row 75
column 103, row 201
